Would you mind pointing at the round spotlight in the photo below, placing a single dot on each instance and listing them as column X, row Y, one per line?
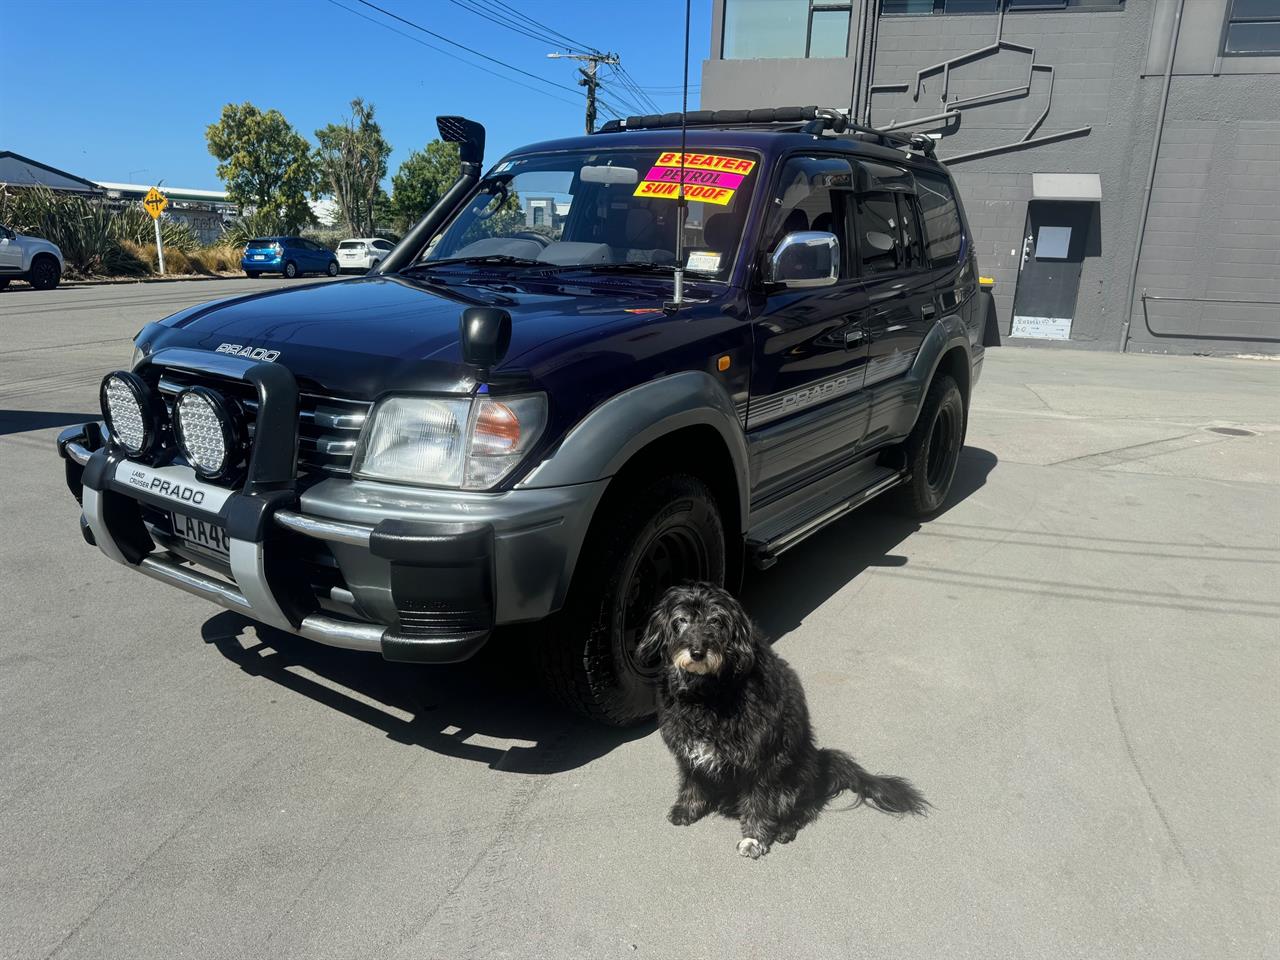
column 129, row 408
column 210, row 432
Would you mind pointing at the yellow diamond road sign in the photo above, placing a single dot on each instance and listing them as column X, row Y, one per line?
column 155, row 202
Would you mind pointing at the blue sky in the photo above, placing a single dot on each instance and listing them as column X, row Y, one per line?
column 123, row 90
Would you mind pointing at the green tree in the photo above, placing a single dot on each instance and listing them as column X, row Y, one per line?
column 352, row 158
column 265, row 163
column 423, row 179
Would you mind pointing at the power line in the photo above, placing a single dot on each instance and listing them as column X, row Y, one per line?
column 454, row 56
column 580, row 47
column 462, row 46
column 496, row 17
column 621, row 73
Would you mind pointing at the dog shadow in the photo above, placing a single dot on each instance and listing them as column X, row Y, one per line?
column 484, row 710
column 809, row 574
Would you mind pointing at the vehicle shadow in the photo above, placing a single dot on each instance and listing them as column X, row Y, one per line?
column 486, row 710
column 22, row 421
column 804, row 578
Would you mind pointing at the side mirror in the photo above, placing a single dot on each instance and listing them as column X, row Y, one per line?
column 806, row 258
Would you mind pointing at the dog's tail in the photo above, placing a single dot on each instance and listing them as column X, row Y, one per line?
column 891, row 794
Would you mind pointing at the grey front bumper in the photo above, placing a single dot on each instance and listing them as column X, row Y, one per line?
column 428, row 574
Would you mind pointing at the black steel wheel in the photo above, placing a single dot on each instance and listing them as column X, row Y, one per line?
column 643, row 540
column 933, row 450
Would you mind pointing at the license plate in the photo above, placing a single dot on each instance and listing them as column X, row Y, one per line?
column 259, row 256
column 202, row 533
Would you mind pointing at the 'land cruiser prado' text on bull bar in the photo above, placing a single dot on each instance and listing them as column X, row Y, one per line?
column 515, row 417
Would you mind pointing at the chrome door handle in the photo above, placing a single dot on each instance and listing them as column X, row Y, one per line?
column 854, row 336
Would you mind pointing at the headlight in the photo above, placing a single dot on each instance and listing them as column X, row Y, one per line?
column 466, row 443
column 130, row 411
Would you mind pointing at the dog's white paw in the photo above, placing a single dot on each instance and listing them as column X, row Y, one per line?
column 751, row 847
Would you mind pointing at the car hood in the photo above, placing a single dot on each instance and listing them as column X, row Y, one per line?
column 367, row 336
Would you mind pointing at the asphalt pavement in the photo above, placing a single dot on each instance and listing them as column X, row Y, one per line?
column 1077, row 664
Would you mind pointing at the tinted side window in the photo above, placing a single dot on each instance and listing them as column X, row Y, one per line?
column 812, row 194
column 941, row 218
column 878, row 246
column 912, row 243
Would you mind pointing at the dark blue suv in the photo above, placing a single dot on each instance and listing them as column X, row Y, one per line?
column 565, row 389
column 290, row 256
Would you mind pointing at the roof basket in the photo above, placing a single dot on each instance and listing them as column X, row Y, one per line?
column 812, row 120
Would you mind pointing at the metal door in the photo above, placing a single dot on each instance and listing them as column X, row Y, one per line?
column 1053, row 248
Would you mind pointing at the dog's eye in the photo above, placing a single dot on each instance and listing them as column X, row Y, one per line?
column 681, row 625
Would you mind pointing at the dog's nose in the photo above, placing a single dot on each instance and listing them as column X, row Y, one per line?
column 695, row 654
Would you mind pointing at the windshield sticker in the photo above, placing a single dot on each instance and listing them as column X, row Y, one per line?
column 704, row 261
column 671, row 191
column 707, row 177
column 707, row 161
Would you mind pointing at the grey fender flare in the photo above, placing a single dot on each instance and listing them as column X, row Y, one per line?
column 600, row 444
column 947, row 333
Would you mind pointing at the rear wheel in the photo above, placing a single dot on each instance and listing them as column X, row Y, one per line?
column 933, row 450
column 332, row 269
column 45, row 273
column 252, row 274
column 644, row 539
column 4, row 282
column 290, row 269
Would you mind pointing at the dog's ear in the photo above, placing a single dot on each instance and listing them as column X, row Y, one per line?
column 654, row 639
column 742, row 639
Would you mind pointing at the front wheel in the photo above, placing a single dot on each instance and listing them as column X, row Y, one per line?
column 45, row 273
column 933, row 450
column 290, row 269
column 332, row 269
column 642, row 541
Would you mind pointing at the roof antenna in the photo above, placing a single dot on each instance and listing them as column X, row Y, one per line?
column 682, row 205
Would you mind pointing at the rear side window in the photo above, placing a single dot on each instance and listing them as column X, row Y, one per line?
column 942, row 230
column 912, row 243
column 877, row 218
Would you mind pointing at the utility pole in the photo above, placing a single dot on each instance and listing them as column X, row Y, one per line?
column 588, row 78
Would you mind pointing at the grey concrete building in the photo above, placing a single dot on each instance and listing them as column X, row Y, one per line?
column 1120, row 196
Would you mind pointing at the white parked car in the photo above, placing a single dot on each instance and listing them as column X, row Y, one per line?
column 36, row 261
column 361, row 253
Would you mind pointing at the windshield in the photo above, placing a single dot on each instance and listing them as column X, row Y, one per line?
column 599, row 209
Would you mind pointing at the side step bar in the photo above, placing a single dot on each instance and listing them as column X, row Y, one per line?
column 765, row 555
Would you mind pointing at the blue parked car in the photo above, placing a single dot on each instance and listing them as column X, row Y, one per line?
column 291, row 256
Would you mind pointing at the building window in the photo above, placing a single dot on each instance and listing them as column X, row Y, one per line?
column 1252, row 29
column 917, row 7
column 793, row 29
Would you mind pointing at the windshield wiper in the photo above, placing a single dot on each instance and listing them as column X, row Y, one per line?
column 497, row 259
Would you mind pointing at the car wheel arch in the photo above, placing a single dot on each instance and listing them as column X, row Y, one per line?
column 661, row 414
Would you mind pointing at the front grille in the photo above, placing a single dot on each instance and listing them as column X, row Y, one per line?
column 328, row 427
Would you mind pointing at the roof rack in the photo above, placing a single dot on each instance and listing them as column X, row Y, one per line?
column 812, row 120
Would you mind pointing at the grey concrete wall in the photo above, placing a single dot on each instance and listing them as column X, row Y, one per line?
column 1214, row 228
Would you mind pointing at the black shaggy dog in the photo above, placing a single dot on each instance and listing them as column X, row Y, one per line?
column 733, row 714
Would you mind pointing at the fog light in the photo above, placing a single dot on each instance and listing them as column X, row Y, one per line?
column 129, row 410
column 209, row 432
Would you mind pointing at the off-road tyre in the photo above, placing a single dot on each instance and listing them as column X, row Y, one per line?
column 932, row 451
column 645, row 537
